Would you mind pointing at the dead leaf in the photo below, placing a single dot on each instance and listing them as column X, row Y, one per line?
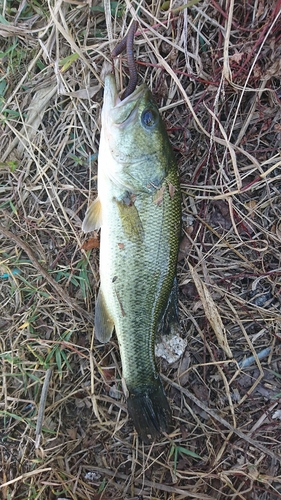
column 273, row 70
column 201, row 392
column 72, row 433
column 87, row 93
column 237, row 57
column 34, row 117
column 79, row 403
column 260, row 10
column 251, row 206
column 183, row 371
column 108, row 373
column 220, row 215
column 185, row 247
column 90, row 243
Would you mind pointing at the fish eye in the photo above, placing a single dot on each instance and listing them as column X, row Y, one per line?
column 148, row 118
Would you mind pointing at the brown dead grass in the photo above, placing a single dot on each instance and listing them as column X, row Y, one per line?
column 215, row 70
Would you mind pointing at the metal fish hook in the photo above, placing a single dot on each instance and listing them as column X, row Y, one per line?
column 128, row 43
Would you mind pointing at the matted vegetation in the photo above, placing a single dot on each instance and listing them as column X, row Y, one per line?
column 214, row 68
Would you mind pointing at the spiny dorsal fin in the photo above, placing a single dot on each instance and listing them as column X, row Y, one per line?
column 93, row 217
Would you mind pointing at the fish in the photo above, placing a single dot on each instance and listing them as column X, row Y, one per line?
column 138, row 212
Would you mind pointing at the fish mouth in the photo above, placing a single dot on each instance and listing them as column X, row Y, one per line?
column 135, row 96
column 119, row 110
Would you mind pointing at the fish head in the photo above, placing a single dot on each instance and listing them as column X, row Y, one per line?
column 135, row 135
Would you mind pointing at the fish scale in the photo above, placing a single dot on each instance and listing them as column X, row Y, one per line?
column 142, row 285
column 139, row 210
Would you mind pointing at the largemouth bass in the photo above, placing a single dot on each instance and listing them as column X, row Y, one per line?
column 139, row 211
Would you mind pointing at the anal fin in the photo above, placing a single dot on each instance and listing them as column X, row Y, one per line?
column 104, row 324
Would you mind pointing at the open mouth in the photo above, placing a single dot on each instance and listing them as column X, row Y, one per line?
column 132, row 97
column 120, row 111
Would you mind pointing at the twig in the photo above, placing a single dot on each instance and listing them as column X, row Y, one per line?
column 23, row 477
column 251, row 359
column 42, row 405
column 68, row 300
column 152, row 484
column 213, row 414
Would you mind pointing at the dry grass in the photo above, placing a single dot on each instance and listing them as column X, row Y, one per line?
column 214, row 68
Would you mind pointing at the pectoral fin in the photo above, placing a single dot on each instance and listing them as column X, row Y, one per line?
column 104, row 324
column 130, row 220
column 93, row 217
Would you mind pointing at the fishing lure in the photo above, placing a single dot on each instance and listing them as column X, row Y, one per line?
column 128, row 44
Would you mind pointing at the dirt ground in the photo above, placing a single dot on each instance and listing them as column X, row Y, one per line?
column 214, row 69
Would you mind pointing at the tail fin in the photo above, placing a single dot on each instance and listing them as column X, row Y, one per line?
column 149, row 409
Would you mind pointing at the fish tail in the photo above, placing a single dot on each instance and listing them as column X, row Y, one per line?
column 149, row 409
